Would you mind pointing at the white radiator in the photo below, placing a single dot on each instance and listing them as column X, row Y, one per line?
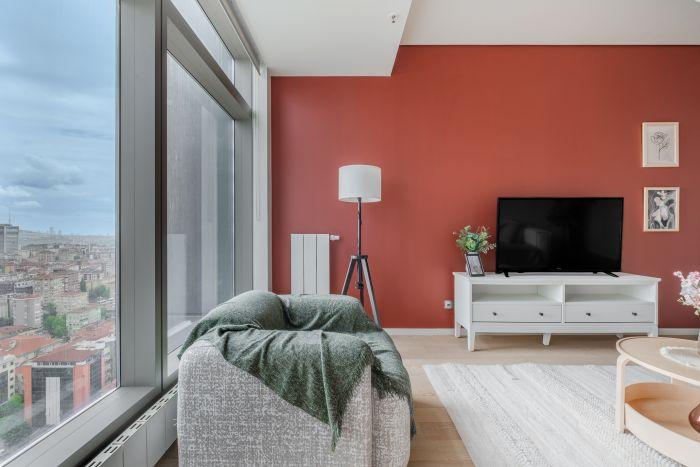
column 145, row 441
column 311, row 263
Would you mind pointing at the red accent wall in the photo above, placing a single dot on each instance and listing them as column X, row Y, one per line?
column 454, row 128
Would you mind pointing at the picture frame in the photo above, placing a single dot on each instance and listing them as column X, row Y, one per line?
column 660, row 144
column 475, row 268
column 662, row 209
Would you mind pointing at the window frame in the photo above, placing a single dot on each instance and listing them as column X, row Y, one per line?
column 141, row 155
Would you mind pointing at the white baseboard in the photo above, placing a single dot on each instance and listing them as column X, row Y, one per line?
column 678, row 331
column 419, row 331
column 450, row 331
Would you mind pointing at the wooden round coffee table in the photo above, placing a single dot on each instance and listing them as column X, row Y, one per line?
column 657, row 413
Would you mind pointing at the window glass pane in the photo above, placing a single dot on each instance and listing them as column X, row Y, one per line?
column 58, row 348
column 199, row 203
column 200, row 24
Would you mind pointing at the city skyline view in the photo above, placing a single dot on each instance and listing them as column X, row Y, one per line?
column 57, row 116
column 58, row 251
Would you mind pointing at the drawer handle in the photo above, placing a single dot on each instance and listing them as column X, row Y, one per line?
column 634, row 313
column 588, row 314
column 541, row 314
column 494, row 313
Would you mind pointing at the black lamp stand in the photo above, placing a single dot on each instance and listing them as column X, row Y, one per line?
column 361, row 261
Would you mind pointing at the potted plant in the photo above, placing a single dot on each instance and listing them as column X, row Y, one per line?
column 472, row 243
column 690, row 296
column 690, row 292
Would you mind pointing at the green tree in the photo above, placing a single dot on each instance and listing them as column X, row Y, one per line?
column 13, row 430
column 50, row 308
column 101, row 291
column 83, row 285
column 55, row 325
column 14, row 405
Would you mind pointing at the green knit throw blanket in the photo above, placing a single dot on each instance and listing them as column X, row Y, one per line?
column 309, row 349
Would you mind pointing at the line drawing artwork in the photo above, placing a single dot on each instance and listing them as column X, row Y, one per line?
column 660, row 144
column 662, row 141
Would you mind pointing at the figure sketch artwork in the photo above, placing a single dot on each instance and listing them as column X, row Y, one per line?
column 661, row 209
column 660, row 144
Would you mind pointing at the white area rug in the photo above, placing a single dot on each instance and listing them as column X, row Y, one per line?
column 540, row 415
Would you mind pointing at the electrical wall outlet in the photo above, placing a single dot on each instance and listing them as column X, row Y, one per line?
column 448, row 304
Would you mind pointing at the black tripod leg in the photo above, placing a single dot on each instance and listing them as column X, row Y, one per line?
column 370, row 291
column 360, row 286
column 348, row 276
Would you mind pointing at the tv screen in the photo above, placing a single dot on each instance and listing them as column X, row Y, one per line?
column 559, row 235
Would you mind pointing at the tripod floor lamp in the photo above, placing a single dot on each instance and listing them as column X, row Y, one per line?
column 360, row 184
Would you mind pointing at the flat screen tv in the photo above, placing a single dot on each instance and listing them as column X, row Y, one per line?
column 559, row 235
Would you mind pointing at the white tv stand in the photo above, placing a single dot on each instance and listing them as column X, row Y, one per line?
column 555, row 304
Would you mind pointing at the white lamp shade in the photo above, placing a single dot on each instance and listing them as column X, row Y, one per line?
column 360, row 181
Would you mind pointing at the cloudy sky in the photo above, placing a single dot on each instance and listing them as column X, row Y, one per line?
column 57, row 114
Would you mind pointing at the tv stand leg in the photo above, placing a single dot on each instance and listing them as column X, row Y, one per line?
column 505, row 273
column 611, row 274
column 546, row 337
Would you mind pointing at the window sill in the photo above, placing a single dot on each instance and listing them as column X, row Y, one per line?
column 81, row 435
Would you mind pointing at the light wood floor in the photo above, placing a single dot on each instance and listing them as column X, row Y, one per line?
column 437, row 442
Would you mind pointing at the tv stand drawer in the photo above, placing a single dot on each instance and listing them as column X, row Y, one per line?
column 609, row 313
column 516, row 313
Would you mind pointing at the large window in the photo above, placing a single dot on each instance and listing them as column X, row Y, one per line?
column 200, row 203
column 126, row 207
column 203, row 111
column 58, row 251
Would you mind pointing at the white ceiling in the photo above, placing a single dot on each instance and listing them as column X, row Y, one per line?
column 325, row 37
column 553, row 22
column 357, row 38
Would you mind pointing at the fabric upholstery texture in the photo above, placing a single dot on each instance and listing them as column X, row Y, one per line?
column 228, row 417
column 391, row 431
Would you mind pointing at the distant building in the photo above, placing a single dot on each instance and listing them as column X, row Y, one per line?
column 100, row 336
column 7, row 287
column 8, row 266
column 24, row 287
column 7, row 377
column 4, row 307
column 100, row 331
column 9, row 331
column 26, row 346
column 21, row 348
column 26, row 310
column 9, row 239
column 69, row 301
column 71, row 281
column 81, row 317
column 55, row 283
column 49, row 286
column 60, row 382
